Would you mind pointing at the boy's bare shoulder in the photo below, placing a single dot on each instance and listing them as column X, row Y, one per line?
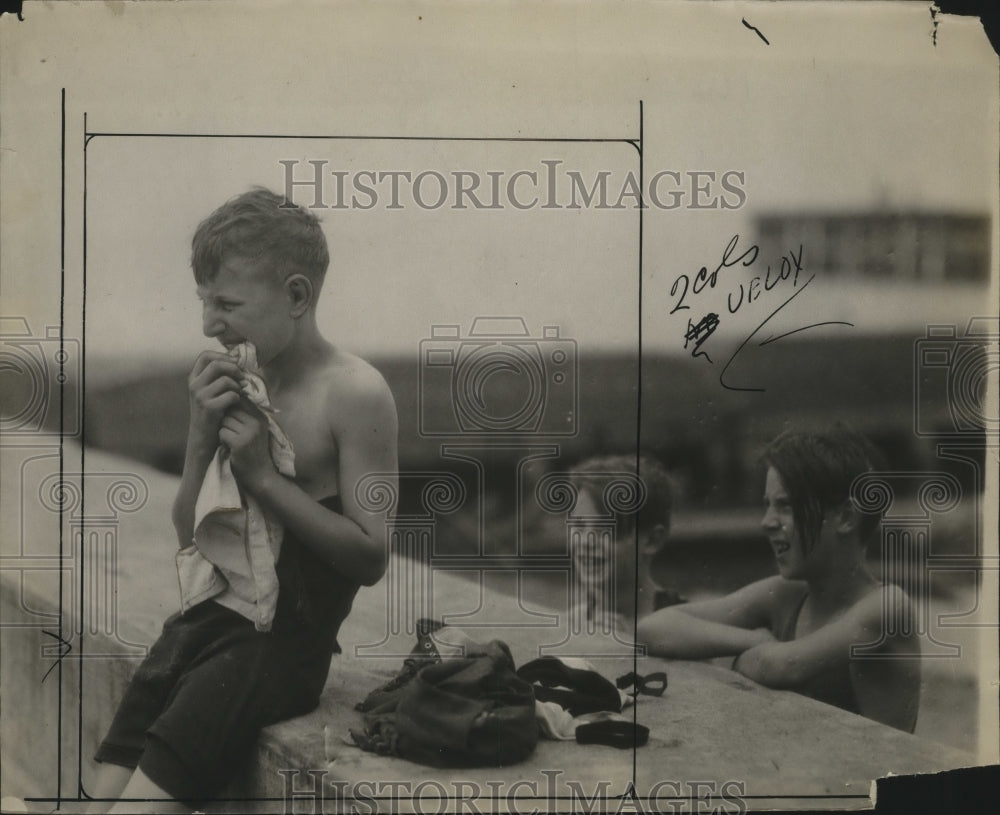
column 774, row 591
column 355, row 387
column 888, row 598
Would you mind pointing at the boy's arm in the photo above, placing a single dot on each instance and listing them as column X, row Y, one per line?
column 723, row 626
column 364, row 426
column 886, row 684
column 213, row 388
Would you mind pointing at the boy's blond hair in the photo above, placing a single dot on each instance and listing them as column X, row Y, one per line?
column 261, row 225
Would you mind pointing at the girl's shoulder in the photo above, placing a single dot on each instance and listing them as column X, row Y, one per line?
column 774, row 600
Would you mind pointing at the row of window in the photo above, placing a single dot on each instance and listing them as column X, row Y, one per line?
column 895, row 246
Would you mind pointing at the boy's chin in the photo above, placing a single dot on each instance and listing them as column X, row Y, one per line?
column 790, row 571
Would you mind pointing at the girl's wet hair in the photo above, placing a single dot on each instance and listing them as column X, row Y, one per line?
column 261, row 225
column 817, row 471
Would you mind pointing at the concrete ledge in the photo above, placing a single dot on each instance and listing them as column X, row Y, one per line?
column 63, row 677
column 51, row 729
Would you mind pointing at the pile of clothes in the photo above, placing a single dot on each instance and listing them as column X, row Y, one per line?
column 476, row 709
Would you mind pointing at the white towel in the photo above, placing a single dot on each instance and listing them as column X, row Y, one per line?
column 236, row 544
column 555, row 722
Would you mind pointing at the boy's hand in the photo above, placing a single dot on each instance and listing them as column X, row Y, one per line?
column 244, row 431
column 213, row 388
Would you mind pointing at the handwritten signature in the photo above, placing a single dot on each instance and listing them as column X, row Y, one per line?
column 786, row 272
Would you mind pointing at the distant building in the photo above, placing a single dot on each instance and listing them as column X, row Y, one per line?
column 905, row 247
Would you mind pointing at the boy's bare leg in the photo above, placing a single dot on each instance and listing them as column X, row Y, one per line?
column 111, row 780
column 151, row 799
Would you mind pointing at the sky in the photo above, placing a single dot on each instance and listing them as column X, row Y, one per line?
column 845, row 109
column 838, row 107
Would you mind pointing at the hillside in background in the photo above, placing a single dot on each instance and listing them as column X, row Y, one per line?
column 709, row 437
column 708, row 434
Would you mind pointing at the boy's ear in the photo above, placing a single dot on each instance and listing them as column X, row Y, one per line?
column 845, row 518
column 656, row 540
column 300, row 293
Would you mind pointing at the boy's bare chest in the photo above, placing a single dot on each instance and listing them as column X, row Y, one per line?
column 806, row 623
column 812, row 619
column 303, row 418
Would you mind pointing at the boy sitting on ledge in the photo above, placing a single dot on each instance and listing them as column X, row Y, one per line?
column 223, row 668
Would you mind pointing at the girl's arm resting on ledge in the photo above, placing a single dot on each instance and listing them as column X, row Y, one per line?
column 679, row 635
column 886, row 680
column 723, row 626
column 790, row 664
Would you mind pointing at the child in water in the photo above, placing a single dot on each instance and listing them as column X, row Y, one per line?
column 795, row 630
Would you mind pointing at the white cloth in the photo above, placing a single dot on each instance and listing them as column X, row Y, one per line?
column 236, row 544
column 555, row 722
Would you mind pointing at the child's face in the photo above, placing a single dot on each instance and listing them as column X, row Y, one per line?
column 778, row 524
column 246, row 302
column 794, row 562
column 600, row 562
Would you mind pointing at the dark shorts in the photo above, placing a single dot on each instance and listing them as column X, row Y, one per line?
column 192, row 712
